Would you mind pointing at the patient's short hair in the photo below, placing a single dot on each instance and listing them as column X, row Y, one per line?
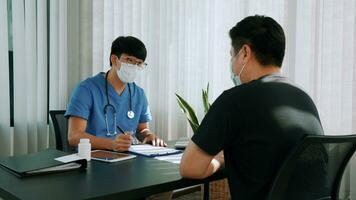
column 265, row 37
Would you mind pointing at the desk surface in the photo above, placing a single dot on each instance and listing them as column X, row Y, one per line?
column 130, row 179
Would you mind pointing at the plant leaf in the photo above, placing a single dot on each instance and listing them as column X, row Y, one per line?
column 204, row 101
column 205, row 97
column 187, row 109
column 189, row 112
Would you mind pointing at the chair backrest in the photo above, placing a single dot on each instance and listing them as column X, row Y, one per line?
column 60, row 124
column 314, row 169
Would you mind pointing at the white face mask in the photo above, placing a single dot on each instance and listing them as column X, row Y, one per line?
column 127, row 72
column 236, row 79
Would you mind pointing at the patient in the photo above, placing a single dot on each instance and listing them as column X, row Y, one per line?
column 256, row 123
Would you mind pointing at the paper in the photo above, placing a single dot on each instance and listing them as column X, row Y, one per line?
column 171, row 158
column 68, row 158
column 152, row 151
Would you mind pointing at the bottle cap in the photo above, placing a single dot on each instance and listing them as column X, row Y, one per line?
column 84, row 140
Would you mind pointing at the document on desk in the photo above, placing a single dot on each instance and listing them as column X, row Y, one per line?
column 171, row 158
column 152, row 151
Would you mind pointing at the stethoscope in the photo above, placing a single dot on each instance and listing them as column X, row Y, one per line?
column 130, row 112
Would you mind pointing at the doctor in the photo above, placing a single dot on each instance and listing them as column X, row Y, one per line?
column 109, row 108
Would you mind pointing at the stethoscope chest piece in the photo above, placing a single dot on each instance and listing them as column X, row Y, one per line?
column 130, row 114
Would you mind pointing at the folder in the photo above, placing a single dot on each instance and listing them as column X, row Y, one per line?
column 152, row 151
column 42, row 162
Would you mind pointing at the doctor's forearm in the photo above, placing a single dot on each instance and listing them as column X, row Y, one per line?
column 96, row 143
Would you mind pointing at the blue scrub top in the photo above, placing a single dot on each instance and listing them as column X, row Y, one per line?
column 89, row 99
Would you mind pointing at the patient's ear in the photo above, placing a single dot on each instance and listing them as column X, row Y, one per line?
column 246, row 52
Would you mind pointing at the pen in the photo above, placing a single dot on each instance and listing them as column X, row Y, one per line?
column 135, row 140
column 122, row 131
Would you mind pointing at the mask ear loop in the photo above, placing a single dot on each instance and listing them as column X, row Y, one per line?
column 243, row 66
column 242, row 69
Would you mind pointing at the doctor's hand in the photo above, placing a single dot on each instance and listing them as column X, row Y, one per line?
column 154, row 140
column 122, row 142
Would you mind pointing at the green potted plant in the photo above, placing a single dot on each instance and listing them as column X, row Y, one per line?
column 190, row 112
column 218, row 189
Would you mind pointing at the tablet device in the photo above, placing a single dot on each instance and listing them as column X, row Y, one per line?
column 109, row 156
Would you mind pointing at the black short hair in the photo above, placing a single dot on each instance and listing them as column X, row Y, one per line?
column 265, row 37
column 128, row 45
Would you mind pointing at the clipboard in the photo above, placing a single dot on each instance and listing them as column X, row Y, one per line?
column 152, row 151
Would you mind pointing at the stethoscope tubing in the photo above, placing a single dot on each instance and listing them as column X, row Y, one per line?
column 130, row 113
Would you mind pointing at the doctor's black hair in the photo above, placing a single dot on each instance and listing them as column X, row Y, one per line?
column 265, row 37
column 128, row 45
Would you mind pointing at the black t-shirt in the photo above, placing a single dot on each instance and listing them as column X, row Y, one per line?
column 257, row 124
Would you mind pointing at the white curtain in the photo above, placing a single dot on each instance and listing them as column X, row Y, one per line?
column 4, row 82
column 188, row 46
column 29, row 30
column 51, row 43
column 25, row 32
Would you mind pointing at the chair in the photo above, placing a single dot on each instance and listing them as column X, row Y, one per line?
column 314, row 169
column 60, row 124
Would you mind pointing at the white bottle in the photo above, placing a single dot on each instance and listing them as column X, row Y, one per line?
column 84, row 148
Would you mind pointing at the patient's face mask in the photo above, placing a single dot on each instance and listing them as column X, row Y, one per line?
column 127, row 72
column 236, row 79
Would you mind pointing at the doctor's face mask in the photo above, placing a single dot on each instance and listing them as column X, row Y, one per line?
column 127, row 72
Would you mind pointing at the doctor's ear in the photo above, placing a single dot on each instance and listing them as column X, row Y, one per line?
column 114, row 60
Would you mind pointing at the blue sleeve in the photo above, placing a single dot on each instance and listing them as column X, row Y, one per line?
column 80, row 103
column 146, row 113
